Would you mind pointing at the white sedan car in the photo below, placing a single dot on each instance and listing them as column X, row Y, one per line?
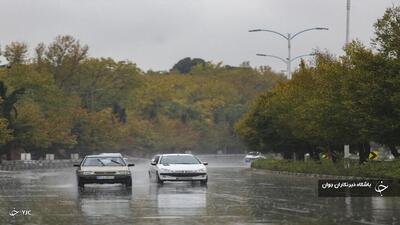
column 107, row 168
column 251, row 156
column 178, row 167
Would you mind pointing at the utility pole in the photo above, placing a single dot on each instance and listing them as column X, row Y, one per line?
column 347, row 147
column 348, row 22
column 289, row 58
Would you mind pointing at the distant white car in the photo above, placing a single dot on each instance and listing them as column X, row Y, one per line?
column 178, row 167
column 104, row 168
column 251, row 156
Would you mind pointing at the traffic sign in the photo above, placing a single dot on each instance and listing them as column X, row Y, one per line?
column 373, row 155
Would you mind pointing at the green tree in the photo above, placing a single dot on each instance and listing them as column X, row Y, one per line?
column 9, row 112
column 102, row 83
column 63, row 57
column 185, row 65
column 387, row 33
column 98, row 131
column 16, row 53
column 5, row 132
column 386, row 64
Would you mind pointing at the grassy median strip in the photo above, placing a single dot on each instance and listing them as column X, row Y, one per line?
column 373, row 169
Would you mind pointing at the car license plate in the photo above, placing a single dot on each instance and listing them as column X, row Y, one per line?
column 104, row 177
column 183, row 178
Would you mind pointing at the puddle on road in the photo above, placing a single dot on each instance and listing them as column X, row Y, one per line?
column 234, row 195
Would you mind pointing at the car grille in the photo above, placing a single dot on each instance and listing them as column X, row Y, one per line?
column 104, row 173
column 186, row 174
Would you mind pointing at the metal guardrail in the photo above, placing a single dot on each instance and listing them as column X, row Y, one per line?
column 15, row 165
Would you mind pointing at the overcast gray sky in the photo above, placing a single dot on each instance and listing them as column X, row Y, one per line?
column 157, row 33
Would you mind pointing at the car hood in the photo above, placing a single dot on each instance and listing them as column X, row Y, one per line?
column 253, row 156
column 182, row 167
column 104, row 168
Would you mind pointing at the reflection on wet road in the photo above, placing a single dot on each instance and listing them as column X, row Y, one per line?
column 235, row 194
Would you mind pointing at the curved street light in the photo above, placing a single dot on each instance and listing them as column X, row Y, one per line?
column 288, row 37
column 273, row 56
column 286, row 60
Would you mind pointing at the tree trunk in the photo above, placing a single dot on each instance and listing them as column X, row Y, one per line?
column 363, row 151
column 362, row 157
column 394, row 151
column 314, row 153
column 332, row 154
column 299, row 156
column 287, row 155
column 8, row 153
column 9, row 149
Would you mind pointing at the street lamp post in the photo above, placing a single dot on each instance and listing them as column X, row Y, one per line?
column 286, row 61
column 348, row 21
column 289, row 37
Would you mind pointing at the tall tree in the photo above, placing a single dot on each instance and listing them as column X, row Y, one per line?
column 386, row 66
column 16, row 53
column 9, row 113
column 64, row 55
column 387, row 33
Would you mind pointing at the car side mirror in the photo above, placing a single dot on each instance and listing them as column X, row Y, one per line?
column 205, row 163
column 77, row 165
column 153, row 163
column 131, row 164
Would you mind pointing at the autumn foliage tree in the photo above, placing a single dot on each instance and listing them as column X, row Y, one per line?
column 352, row 99
column 63, row 101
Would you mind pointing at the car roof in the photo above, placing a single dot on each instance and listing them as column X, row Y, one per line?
column 111, row 154
column 105, row 155
column 175, row 154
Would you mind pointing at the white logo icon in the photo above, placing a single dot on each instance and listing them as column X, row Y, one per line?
column 380, row 187
column 13, row 212
column 24, row 212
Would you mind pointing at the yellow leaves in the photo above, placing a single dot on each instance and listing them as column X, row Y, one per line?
column 60, row 126
column 37, row 130
column 34, row 128
column 97, row 130
column 5, row 133
column 173, row 135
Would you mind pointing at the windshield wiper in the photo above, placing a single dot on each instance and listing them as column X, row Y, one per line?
column 116, row 162
column 101, row 162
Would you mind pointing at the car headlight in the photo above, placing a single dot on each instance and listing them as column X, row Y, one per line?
column 165, row 170
column 123, row 172
column 87, row 172
column 201, row 170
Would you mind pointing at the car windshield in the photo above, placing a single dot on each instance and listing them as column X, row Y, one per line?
column 104, row 161
column 179, row 159
column 254, row 153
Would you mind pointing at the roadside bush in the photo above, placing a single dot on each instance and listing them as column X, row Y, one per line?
column 371, row 169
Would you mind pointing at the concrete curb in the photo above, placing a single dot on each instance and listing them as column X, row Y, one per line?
column 314, row 175
column 18, row 165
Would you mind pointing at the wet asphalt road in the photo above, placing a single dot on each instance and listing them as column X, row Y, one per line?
column 235, row 194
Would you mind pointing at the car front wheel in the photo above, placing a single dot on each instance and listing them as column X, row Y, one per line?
column 81, row 184
column 204, row 182
column 158, row 179
column 128, row 183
